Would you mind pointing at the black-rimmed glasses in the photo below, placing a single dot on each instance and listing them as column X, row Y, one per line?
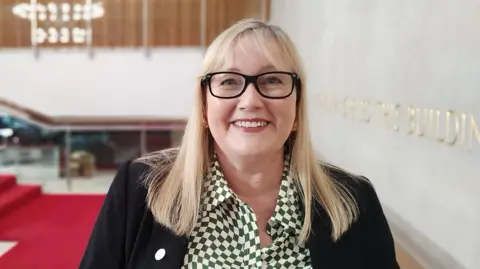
column 272, row 85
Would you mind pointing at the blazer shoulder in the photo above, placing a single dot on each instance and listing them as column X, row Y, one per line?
column 130, row 179
column 115, row 230
column 135, row 176
column 372, row 227
column 359, row 186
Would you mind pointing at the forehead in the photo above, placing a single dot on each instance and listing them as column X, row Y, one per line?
column 250, row 54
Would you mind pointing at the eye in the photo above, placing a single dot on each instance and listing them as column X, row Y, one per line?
column 229, row 81
column 271, row 80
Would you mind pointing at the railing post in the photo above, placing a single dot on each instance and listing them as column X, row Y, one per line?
column 66, row 165
column 146, row 47
column 16, row 148
column 33, row 29
column 143, row 141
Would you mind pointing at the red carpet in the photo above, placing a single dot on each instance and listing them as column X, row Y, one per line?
column 51, row 230
column 13, row 195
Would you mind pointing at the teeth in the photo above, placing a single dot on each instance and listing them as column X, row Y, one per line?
column 250, row 124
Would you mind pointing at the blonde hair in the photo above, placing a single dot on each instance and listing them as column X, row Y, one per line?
column 175, row 179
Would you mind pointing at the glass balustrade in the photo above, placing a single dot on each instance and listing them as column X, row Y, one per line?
column 58, row 156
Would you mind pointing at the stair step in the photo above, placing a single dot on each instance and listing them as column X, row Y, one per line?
column 6, row 182
column 16, row 196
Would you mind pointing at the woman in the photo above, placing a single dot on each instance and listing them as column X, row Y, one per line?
column 244, row 190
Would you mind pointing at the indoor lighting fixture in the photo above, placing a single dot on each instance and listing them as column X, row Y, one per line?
column 59, row 13
column 55, row 11
column 64, row 35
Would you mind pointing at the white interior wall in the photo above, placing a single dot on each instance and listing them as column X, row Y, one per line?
column 113, row 83
column 424, row 53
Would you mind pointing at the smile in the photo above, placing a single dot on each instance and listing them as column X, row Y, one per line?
column 250, row 124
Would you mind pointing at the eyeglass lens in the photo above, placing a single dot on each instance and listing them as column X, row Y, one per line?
column 275, row 85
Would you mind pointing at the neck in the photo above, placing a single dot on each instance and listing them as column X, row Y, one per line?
column 252, row 176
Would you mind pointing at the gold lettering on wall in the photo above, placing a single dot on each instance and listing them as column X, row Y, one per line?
column 463, row 129
column 474, row 132
column 451, row 115
column 437, row 127
column 412, row 123
column 450, row 127
column 419, row 123
column 425, row 122
column 396, row 117
column 366, row 113
column 349, row 108
column 390, row 115
column 384, row 113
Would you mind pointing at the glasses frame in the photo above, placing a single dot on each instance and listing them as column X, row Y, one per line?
column 207, row 81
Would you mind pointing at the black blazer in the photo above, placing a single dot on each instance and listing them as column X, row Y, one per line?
column 126, row 235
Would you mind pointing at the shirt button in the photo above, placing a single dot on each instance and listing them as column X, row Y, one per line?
column 160, row 254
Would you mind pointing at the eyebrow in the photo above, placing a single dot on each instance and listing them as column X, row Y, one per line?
column 265, row 68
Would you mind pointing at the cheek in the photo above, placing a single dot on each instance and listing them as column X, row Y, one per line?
column 218, row 112
column 285, row 113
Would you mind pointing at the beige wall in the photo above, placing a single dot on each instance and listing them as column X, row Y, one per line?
column 424, row 54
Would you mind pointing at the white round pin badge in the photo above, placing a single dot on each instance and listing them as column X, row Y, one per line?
column 160, row 254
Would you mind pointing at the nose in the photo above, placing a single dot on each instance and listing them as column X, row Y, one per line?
column 250, row 100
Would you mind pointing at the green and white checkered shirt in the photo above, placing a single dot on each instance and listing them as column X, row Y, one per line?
column 226, row 234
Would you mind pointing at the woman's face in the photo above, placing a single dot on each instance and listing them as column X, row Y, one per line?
column 250, row 124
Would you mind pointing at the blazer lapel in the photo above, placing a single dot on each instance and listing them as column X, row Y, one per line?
column 320, row 241
column 174, row 248
column 158, row 247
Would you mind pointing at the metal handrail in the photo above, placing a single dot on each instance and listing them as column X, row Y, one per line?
column 69, row 128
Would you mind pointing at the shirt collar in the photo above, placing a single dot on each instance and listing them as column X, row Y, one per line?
column 215, row 188
column 287, row 200
column 216, row 191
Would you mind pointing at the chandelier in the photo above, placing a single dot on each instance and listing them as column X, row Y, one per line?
column 58, row 15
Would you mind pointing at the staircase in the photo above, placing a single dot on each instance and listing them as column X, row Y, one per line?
column 13, row 195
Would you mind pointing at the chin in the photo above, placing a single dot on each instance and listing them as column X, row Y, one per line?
column 251, row 150
column 250, row 146
column 250, row 153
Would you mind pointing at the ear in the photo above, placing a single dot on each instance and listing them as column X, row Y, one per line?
column 204, row 102
column 295, row 126
column 205, row 121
